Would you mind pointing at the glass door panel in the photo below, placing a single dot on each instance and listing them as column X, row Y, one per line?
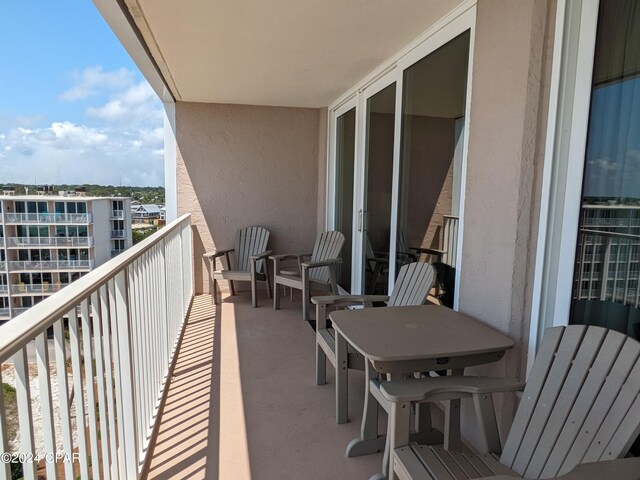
column 433, row 108
column 378, row 174
column 606, row 281
column 345, row 151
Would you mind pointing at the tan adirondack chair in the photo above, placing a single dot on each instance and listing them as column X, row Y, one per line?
column 316, row 271
column 581, row 404
column 412, row 287
column 249, row 262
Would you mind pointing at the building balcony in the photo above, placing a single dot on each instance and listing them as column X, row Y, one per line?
column 118, row 234
column 3, row 265
column 4, row 314
column 116, row 252
column 117, row 214
column 4, row 290
column 16, row 242
column 37, row 289
column 52, row 218
column 37, row 265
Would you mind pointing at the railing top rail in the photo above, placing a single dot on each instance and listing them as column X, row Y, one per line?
column 15, row 334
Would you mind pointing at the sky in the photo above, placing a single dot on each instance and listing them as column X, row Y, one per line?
column 73, row 106
column 612, row 166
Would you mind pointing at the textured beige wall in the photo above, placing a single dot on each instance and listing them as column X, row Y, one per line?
column 241, row 165
column 506, row 140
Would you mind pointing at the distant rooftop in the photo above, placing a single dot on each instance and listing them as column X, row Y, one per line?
column 45, row 198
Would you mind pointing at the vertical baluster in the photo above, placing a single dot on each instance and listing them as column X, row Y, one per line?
column 78, row 398
column 107, row 340
column 162, row 274
column 63, row 394
column 90, row 386
column 46, row 402
column 126, row 378
column 96, row 318
column 5, row 467
column 25, row 417
column 145, row 326
column 120, row 415
column 136, row 335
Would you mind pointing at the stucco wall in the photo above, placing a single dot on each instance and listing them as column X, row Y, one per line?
column 241, row 165
column 506, row 139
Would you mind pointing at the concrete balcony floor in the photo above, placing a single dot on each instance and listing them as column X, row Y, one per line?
column 243, row 403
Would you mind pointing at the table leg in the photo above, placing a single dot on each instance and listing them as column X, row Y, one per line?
column 369, row 441
column 342, row 379
column 452, row 439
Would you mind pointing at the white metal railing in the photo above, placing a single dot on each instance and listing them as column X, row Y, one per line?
column 4, row 312
column 116, row 252
column 4, row 289
column 37, row 288
column 131, row 314
column 118, row 233
column 50, row 265
column 51, row 241
column 117, row 213
column 48, row 217
column 2, row 266
column 15, row 311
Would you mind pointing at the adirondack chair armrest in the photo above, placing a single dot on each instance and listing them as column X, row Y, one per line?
column 321, row 263
column 620, row 469
column 217, row 253
column 348, row 299
column 430, row 251
column 260, row 256
column 281, row 257
column 446, row 388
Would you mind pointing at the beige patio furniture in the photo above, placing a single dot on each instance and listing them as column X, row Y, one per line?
column 411, row 288
column 581, row 404
column 316, row 271
column 249, row 262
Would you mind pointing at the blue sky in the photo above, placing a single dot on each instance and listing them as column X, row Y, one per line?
column 73, row 106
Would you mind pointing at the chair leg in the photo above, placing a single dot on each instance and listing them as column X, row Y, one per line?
column 276, row 296
column 216, row 300
column 231, row 289
column 267, row 279
column 254, row 286
column 321, row 357
column 305, row 295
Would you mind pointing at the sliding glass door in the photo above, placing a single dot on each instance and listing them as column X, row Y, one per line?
column 397, row 165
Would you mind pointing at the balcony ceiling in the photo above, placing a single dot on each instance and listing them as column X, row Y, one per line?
column 302, row 53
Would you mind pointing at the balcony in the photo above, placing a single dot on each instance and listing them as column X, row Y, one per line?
column 118, row 234
column 37, row 289
column 14, row 242
column 37, row 265
column 117, row 214
column 116, row 252
column 4, row 290
column 4, row 314
column 52, row 218
column 134, row 316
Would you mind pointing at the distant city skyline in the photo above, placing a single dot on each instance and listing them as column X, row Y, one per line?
column 74, row 108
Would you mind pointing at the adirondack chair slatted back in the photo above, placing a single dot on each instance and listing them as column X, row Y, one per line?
column 250, row 241
column 413, row 284
column 581, row 403
column 328, row 245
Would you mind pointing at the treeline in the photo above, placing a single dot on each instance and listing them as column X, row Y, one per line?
column 141, row 194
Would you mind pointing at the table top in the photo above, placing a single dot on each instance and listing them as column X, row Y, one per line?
column 393, row 334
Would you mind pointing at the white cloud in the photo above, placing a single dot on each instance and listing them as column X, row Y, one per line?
column 120, row 141
column 70, row 153
column 134, row 104
column 94, row 81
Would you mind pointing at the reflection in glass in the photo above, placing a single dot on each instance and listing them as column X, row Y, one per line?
column 607, row 267
column 379, row 173
column 345, row 145
column 433, row 106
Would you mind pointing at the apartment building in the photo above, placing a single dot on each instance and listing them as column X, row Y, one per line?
column 48, row 241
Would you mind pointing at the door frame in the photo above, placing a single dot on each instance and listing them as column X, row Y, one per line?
column 565, row 149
